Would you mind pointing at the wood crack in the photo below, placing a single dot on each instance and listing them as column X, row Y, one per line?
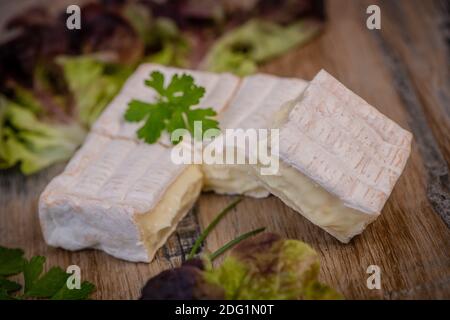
column 438, row 186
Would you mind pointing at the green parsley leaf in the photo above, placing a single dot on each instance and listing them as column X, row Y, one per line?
column 52, row 284
column 153, row 127
column 32, row 270
column 177, row 121
column 9, row 286
column 11, row 261
column 4, row 295
column 138, row 110
column 156, row 82
column 173, row 108
column 83, row 293
column 49, row 284
column 204, row 116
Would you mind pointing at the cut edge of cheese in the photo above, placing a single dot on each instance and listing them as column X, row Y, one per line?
column 154, row 226
column 316, row 204
column 257, row 100
column 232, row 179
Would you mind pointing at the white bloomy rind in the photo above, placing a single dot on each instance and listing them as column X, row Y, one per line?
column 342, row 157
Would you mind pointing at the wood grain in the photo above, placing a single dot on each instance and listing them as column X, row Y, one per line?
column 403, row 71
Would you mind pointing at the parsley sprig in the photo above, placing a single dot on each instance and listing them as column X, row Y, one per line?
column 173, row 108
column 49, row 285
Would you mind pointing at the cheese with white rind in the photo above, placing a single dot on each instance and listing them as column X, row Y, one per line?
column 119, row 196
column 219, row 89
column 256, row 102
column 340, row 158
column 339, row 161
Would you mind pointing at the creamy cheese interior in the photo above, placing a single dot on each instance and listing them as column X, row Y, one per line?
column 232, row 179
column 225, row 178
column 316, row 204
column 157, row 225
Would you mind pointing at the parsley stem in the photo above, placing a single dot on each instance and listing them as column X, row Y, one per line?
column 208, row 229
column 234, row 242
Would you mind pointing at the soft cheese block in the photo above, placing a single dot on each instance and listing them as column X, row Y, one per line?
column 339, row 158
column 120, row 196
column 258, row 99
column 219, row 90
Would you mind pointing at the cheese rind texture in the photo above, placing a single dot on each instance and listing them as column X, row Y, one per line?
column 98, row 201
column 336, row 141
column 259, row 97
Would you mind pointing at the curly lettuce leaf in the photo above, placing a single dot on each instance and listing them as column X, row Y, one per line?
column 173, row 46
column 140, row 18
column 268, row 267
column 34, row 134
column 241, row 50
column 262, row 267
column 92, row 83
column 164, row 42
column 32, row 143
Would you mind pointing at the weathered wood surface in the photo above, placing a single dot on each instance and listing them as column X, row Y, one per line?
column 404, row 71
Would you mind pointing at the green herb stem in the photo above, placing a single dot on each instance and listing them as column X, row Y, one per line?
column 211, row 226
column 234, row 242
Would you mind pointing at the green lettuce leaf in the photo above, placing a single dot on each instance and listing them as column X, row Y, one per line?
column 35, row 136
column 92, row 83
column 173, row 46
column 163, row 40
column 241, row 50
column 140, row 19
column 32, row 143
column 268, row 267
column 262, row 267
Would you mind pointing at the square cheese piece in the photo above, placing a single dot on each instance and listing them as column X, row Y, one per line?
column 339, row 158
column 259, row 97
column 119, row 196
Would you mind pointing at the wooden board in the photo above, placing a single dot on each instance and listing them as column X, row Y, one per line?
column 404, row 71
